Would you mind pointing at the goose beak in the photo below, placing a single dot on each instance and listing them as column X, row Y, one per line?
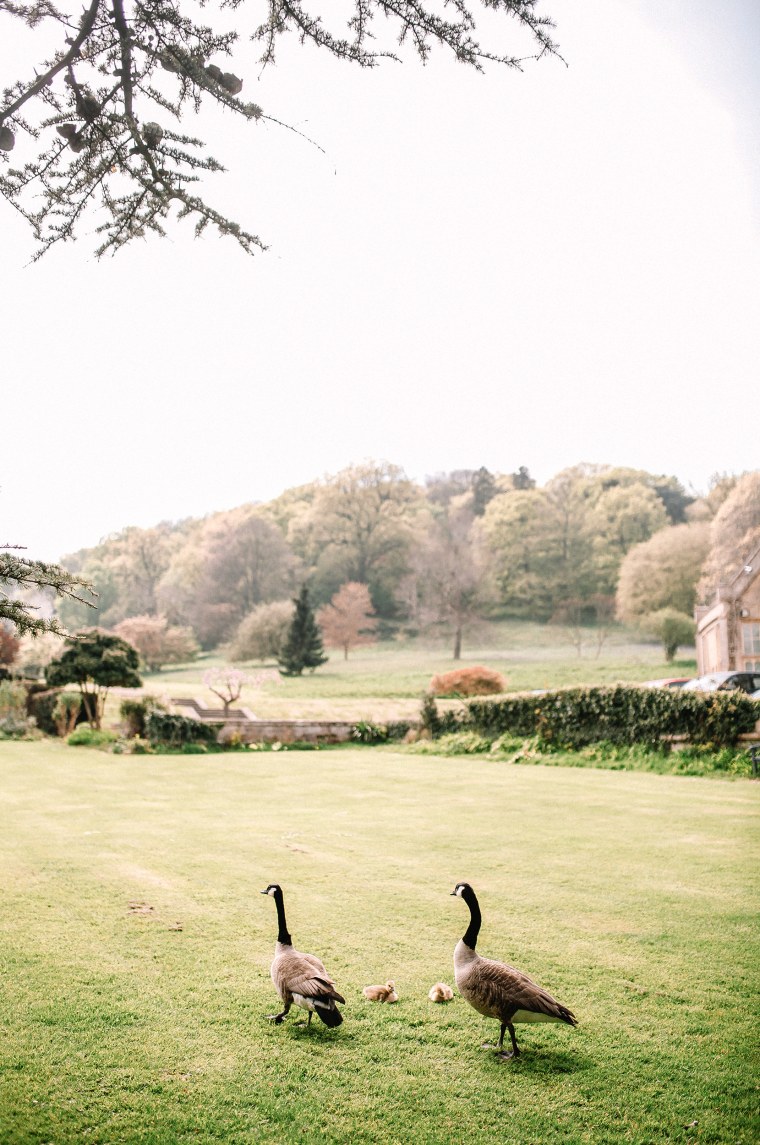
column 263, row 892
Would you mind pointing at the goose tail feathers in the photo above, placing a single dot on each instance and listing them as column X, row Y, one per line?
column 329, row 1013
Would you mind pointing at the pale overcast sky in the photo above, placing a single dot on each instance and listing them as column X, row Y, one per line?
column 535, row 268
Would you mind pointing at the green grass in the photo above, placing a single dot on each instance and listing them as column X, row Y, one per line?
column 385, row 681
column 632, row 897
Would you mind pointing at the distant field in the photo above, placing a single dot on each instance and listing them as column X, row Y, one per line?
column 135, row 948
column 385, row 681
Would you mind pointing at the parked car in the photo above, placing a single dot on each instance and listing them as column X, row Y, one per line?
column 667, row 682
column 725, row 682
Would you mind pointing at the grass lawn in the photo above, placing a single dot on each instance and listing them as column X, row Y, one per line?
column 632, row 897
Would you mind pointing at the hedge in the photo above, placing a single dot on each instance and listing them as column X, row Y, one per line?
column 575, row 717
column 174, row 731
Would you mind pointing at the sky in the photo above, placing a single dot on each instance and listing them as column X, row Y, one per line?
column 537, row 268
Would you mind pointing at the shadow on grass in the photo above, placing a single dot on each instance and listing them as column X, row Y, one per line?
column 540, row 1062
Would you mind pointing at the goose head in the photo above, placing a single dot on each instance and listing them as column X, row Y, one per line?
column 463, row 891
column 274, row 889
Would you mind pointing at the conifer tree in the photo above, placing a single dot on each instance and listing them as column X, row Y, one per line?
column 303, row 647
column 98, row 116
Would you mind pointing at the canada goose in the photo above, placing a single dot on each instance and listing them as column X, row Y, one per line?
column 497, row 990
column 386, row 993
column 300, row 978
column 440, row 993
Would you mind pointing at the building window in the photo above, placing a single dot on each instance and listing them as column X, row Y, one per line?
column 751, row 638
column 752, row 665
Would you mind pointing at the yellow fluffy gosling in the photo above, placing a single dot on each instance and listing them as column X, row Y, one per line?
column 386, row 993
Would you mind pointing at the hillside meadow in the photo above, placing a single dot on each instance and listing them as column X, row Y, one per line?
column 135, row 949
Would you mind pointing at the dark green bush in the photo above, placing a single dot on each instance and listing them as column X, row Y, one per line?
column 40, row 701
column 174, row 731
column 430, row 721
column 85, row 736
column 134, row 713
column 438, row 723
column 574, row 717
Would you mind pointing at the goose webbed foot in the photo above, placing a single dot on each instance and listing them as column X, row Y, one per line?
column 277, row 1018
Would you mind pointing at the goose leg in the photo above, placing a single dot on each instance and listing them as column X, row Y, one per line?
column 514, row 1053
column 277, row 1018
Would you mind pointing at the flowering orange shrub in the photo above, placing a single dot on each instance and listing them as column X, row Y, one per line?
column 476, row 681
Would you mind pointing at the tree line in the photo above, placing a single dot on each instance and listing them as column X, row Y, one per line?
column 382, row 555
column 592, row 544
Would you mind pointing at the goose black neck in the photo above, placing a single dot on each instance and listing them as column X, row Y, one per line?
column 470, row 936
column 282, row 927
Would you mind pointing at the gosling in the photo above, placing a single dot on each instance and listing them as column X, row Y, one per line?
column 386, row 993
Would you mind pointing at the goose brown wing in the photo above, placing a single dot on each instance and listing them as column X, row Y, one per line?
column 318, row 965
column 507, row 988
column 313, row 986
column 304, row 974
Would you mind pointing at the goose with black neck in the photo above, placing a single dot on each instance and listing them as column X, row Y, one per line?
column 299, row 978
column 497, row 990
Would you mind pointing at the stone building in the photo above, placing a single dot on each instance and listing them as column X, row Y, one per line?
column 728, row 629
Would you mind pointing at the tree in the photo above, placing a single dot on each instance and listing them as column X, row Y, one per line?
column 226, row 683
column 19, row 575
column 524, row 540
column 101, row 118
column 734, row 534
column 157, row 641
column 480, row 484
column 348, row 621
column 577, row 614
column 672, row 628
column 303, row 647
column 624, row 516
column 263, row 632
column 126, row 568
column 522, row 479
column 662, row 572
column 360, row 528
column 450, row 572
column 95, row 661
column 227, row 565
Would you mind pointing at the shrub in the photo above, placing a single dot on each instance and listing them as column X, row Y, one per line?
column 263, row 632
column 575, row 717
column 430, row 721
column 476, row 681
column 365, row 732
column 91, row 737
column 173, row 731
column 15, row 723
column 12, row 699
column 135, row 712
column 672, row 629
column 455, row 743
